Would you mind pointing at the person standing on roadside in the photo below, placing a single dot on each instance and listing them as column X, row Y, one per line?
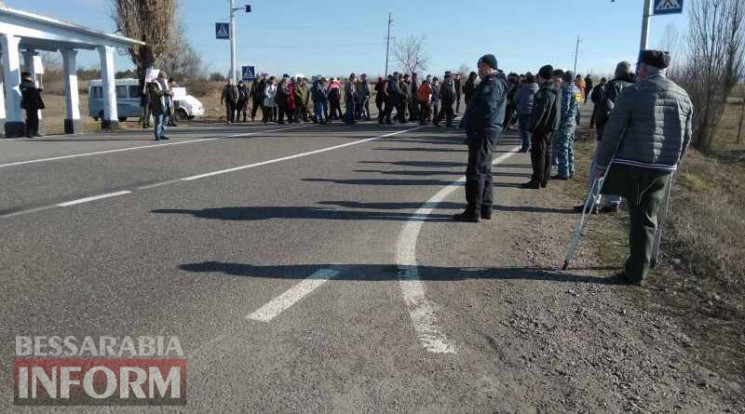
column 393, row 91
column 483, row 122
column 447, row 96
column 363, row 94
column 544, row 122
column 380, row 97
column 242, row 106
column 270, row 101
column 230, row 99
column 413, row 101
column 595, row 95
column 643, row 142
column 350, row 96
column 524, row 99
column 424, row 97
column 435, row 97
column 470, row 86
column 145, row 106
column 160, row 105
column 458, row 92
column 564, row 142
column 31, row 101
column 320, row 101
column 301, row 100
column 334, row 93
column 403, row 105
column 589, row 84
column 257, row 95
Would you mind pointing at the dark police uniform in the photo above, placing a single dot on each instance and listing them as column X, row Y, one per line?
column 483, row 123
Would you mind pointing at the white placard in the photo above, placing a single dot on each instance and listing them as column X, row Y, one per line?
column 38, row 65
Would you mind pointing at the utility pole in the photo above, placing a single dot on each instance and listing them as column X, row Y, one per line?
column 576, row 54
column 388, row 43
column 646, row 16
column 232, row 40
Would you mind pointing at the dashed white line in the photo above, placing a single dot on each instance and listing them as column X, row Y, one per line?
column 282, row 302
column 94, row 198
column 169, row 144
column 421, row 310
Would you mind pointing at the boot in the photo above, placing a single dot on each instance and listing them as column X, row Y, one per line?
column 468, row 216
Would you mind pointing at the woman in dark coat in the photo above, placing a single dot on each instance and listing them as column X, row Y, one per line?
column 31, row 101
column 470, row 86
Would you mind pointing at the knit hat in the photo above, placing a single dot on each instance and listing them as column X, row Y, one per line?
column 622, row 69
column 489, row 60
column 286, row 76
column 657, row 58
column 546, row 71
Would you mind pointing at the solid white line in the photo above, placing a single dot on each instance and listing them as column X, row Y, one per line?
column 94, row 198
column 421, row 310
column 269, row 311
column 29, row 211
column 191, row 141
column 292, row 157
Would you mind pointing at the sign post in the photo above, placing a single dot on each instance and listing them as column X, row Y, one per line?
column 248, row 73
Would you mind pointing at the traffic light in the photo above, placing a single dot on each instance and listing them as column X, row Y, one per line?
column 248, row 8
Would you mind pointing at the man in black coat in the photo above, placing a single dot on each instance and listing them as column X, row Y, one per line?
column 393, row 92
column 31, row 101
column 230, row 99
column 483, row 122
column 544, row 121
column 257, row 95
column 447, row 96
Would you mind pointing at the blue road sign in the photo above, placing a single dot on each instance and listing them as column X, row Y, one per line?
column 222, row 30
column 249, row 73
column 667, row 6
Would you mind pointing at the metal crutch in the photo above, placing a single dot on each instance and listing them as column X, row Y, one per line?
column 590, row 201
column 661, row 221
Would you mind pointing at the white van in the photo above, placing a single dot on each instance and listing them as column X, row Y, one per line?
column 128, row 101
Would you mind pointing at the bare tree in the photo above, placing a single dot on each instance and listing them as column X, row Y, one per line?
column 151, row 21
column 715, row 61
column 410, row 54
column 181, row 59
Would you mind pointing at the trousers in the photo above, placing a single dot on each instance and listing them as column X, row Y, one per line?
column 479, row 187
column 540, row 156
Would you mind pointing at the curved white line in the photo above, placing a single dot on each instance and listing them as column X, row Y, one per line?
column 421, row 310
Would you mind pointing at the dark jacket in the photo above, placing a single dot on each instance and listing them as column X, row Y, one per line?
column 229, row 94
column 458, row 87
column 405, row 88
column 447, row 93
column 380, row 93
column 611, row 92
column 257, row 93
column 158, row 97
column 283, row 94
column 597, row 94
column 485, row 111
column 31, row 96
column 393, row 89
column 650, row 125
column 546, row 114
column 319, row 92
column 524, row 98
column 436, row 94
column 468, row 89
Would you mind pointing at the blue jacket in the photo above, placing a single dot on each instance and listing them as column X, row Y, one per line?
column 525, row 98
column 485, row 111
column 568, row 104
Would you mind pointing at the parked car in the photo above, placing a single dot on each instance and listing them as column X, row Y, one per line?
column 128, row 101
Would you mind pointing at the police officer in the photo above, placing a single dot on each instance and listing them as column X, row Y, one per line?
column 483, row 122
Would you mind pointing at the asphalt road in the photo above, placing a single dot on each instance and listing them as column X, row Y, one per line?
column 303, row 268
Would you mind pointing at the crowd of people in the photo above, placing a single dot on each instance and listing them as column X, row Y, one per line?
column 400, row 98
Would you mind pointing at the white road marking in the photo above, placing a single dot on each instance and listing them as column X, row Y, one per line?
column 292, row 157
column 282, row 302
column 94, row 198
column 191, row 141
column 196, row 177
column 421, row 310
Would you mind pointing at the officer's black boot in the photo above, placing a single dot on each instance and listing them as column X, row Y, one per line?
column 471, row 214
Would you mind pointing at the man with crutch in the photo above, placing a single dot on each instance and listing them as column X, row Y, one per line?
column 643, row 142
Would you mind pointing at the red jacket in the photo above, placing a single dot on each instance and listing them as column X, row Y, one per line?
column 291, row 98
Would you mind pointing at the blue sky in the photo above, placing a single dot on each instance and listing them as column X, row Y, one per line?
column 333, row 37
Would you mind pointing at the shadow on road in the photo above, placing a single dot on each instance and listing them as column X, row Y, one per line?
column 313, row 213
column 356, row 272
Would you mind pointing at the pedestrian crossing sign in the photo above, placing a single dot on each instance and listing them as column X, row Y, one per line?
column 222, row 30
column 668, row 6
column 248, row 73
